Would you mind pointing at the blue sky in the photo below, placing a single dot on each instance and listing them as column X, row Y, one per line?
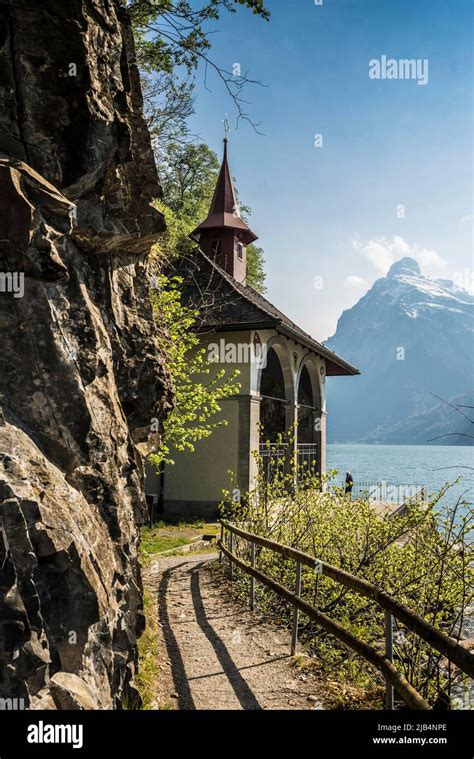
column 333, row 212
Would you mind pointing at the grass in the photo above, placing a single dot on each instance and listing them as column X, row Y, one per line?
column 153, row 542
column 204, row 551
column 172, row 533
column 148, row 675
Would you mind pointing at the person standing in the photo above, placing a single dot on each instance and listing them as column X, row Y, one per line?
column 349, row 484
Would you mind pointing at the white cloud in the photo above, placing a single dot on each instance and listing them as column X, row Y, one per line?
column 383, row 253
column 467, row 217
column 354, row 281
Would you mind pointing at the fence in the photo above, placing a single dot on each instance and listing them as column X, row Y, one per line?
column 388, row 492
column 306, row 455
column 392, row 608
column 275, row 457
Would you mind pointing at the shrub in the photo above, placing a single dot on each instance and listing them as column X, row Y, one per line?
column 421, row 557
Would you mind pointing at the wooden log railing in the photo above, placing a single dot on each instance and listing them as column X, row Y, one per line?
column 395, row 680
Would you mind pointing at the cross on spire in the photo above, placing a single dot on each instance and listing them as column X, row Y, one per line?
column 226, row 128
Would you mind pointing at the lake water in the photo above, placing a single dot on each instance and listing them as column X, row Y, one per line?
column 407, row 464
column 417, row 465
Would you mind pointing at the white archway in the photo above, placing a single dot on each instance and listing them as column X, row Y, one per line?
column 311, row 409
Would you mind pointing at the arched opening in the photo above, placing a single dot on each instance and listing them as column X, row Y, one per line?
column 272, row 391
column 311, row 421
column 306, row 408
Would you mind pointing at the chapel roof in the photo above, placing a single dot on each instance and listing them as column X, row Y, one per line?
column 225, row 305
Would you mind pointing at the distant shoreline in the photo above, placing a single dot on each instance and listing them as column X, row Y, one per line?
column 421, row 445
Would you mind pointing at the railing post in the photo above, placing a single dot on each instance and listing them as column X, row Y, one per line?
column 389, row 695
column 294, row 637
column 231, row 549
column 252, row 580
column 222, row 542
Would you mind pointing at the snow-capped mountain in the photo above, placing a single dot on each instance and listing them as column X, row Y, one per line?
column 411, row 337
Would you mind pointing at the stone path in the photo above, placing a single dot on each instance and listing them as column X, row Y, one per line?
column 214, row 653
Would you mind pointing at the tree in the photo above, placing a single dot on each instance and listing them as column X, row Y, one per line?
column 172, row 38
column 198, row 387
column 255, row 268
column 171, row 41
column 189, row 174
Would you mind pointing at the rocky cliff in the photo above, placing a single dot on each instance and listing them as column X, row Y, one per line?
column 81, row 374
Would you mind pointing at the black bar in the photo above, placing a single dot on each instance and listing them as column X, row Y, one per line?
column 316, row 733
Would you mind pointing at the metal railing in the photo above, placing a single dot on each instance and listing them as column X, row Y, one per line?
column 388, row 492
column 395, row 680
column 275, row 457
column 306, row 455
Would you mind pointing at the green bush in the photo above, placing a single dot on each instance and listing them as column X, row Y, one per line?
column 421, row 557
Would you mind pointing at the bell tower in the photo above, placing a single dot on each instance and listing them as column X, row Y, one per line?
column 224, row 235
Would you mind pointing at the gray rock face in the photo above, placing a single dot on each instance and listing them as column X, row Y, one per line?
column 70, row 692
column 81, row 375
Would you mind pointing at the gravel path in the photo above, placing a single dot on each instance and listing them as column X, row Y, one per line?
column 215, row 654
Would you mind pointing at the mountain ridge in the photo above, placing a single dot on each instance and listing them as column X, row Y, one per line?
column 411, row 336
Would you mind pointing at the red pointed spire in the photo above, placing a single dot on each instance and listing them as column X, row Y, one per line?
column 224, row 212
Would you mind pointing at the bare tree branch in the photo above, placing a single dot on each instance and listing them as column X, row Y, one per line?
column 456, row 408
